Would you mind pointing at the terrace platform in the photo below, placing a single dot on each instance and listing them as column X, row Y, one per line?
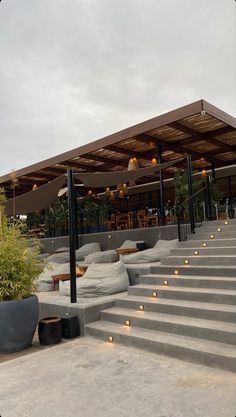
column 86, row 309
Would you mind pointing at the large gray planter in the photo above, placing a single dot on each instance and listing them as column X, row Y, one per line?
column 18, row 321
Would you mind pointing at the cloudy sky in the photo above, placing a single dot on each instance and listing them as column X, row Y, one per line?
column 72, row 71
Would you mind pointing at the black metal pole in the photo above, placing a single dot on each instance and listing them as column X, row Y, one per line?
column 213, row 171
column 161, row 203
column 76, row 219
column 72, row 234
column 208, row 193
column 190, row 193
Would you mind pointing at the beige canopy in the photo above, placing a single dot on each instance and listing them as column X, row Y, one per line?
column 105, row 179
column 35, row 200
column 45, row 195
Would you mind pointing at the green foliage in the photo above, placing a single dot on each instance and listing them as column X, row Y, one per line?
column 92, row 209
column 181, row 188
column 19, row 261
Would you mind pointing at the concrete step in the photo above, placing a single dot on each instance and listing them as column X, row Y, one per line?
column 214, row 354
column 208, row 311
column 230, row 222
column 213, row 228
column 215, row 260
column 208, row 251
column 185, row 293
column 201, row 234
column 186, row 326
column 189, row 281
column 212, row 243
column 224, row 271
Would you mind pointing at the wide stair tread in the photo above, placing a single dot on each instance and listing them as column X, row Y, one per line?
column 185, row 289
column 181, row 303
column 192, row 277
column 186, row 342
column 172, row 319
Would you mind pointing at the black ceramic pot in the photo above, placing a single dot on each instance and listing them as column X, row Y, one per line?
column 18, row 321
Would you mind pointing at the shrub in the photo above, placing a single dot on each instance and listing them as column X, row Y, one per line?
column 20, row 264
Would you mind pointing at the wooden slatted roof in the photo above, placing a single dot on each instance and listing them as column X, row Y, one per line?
column 205, row 132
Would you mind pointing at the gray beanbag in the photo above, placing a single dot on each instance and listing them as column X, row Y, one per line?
column 87, row 249
column 99, row 280
column 102, row 257
column 162, row 248
column 60, row 257
column 45, row 281
column 130, row 244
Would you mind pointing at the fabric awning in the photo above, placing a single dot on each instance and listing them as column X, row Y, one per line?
column 106, row 179
column 35, row 200
column 45, row 195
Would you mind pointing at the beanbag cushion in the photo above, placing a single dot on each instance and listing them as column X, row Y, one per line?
column 60, row 257
column 102, row 257
column 162, row 248
column 45, row 281
column 99, row 280
column 63, row 249
column 130, row 244
column 87, row 249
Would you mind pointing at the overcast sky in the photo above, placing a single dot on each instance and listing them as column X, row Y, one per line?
column 72, row 71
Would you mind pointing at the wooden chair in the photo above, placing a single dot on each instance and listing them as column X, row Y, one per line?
column 142, row 218
column 123, row 221
column 111, row 223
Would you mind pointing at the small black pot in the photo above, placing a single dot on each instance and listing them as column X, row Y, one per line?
column 50, row 330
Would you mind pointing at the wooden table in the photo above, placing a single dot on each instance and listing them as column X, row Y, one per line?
column 65, row 277
column 126, row 251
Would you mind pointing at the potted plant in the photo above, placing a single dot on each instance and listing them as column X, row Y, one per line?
column 20, row 266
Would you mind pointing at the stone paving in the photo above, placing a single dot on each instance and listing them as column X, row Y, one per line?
column 90, row 378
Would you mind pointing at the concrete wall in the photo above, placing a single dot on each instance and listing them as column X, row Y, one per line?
column 113, row 240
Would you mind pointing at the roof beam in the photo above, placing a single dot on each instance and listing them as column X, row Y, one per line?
column 108, row 161
column 124, row 151
column 207, row 136
column 78, row 165
column 178, row 148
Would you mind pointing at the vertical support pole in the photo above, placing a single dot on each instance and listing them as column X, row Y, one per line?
column 161, row 204
column 72, row 234
column 76, row 220
column 213, row 171
column 208, row 193
column 190, row 193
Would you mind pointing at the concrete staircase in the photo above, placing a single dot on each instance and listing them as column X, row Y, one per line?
column 184, row 308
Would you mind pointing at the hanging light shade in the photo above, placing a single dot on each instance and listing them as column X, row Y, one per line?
column 124, row 188
column 154, row 161
column 90, row 192
column 132, row 165
column 112, row 196
column 108, row 191
column 34, row 187
column 121, row 194
column 203, row 173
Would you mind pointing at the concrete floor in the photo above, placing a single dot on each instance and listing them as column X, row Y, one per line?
column 90, row 378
